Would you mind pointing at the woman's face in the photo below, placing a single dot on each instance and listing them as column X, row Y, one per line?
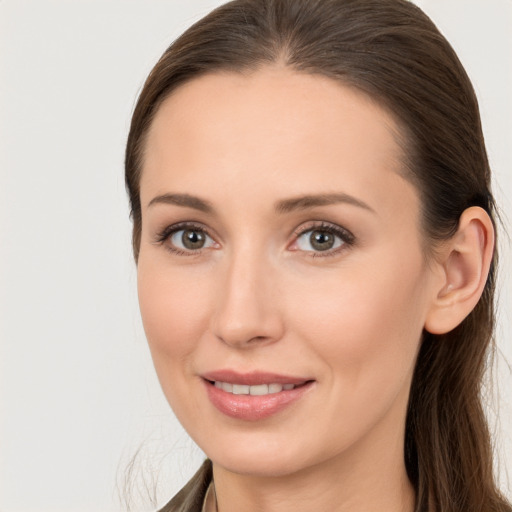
column 281, row 249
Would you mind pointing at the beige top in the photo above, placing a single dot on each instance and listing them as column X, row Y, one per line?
column 210, row 501
column 198, row 495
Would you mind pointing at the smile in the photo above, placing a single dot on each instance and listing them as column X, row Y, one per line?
column 258, row 390
column 254, row 396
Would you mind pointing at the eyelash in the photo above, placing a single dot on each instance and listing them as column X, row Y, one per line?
column 168, row 231
column 343, row 234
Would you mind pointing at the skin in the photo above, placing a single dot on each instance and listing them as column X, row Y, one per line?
column 258, row 297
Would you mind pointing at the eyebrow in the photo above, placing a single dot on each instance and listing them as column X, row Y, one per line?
column 185, row 200
column 311, row 201
column 282, row 207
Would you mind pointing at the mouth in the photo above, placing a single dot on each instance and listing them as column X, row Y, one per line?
column 253, row 396
column 255, row 390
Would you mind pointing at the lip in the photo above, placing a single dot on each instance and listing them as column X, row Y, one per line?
column 249, row 407
column 253, row 378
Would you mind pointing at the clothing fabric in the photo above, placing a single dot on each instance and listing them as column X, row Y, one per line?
column 210, row 500
column 192, row 497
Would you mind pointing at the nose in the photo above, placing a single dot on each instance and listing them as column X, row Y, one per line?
column 247, row 312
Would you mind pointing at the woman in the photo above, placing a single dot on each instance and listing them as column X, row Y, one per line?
column 314, row 233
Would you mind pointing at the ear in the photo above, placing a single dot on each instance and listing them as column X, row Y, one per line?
column 464, row 261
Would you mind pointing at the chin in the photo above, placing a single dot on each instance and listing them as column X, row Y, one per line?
column 260, row 457
column 257, row 465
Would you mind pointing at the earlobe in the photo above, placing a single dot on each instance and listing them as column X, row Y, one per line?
column 465, row 260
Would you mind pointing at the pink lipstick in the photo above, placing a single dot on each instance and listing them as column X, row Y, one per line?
column 253, row 396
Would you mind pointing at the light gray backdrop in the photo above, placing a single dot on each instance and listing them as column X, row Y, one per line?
column 78, row 396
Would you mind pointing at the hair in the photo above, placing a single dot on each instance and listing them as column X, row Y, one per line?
column 390, row 50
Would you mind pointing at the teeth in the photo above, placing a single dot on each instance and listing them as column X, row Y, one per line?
column 240, row 389
column 275, row 388
column 258, row 390
column 262, row 389
column 226, row 386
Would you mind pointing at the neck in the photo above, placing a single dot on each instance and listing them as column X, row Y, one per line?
column 369, row 477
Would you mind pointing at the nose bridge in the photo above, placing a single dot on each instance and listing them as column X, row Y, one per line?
column 246, row 310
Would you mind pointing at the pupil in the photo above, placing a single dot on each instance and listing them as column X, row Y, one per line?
column 321, row 240
column 193, row 239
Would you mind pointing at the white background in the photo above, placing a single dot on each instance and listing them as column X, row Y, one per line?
column 78, row 395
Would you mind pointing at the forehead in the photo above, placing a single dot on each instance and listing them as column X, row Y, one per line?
column 271, row 126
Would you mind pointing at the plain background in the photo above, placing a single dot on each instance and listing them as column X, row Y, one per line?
column 78, row 394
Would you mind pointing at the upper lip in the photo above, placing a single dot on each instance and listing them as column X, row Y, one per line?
column 253, row 378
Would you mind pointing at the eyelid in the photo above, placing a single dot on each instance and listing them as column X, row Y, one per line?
column 166, row 233
column 342, row 233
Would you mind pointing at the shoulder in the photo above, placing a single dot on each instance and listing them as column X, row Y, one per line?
column 191, row 497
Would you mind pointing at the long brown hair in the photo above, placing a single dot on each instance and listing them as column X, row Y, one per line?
column 392, row 51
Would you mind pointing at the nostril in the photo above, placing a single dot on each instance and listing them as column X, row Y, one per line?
column 257, row 338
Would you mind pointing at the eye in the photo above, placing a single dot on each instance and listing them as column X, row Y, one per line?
column 190, row 239
column 325, row 238
column 185, row 239
column 318, row 240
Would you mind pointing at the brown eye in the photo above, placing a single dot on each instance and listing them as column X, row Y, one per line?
column 191, row 239
column 321, row 240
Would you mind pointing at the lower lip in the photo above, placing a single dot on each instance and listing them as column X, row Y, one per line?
column 254, row 408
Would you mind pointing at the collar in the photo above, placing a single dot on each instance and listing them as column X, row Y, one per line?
column 210, row 501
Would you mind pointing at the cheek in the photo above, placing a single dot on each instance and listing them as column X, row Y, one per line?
column 365, row 327
column 366, row 323
column 174, row 314
column 173, row 311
